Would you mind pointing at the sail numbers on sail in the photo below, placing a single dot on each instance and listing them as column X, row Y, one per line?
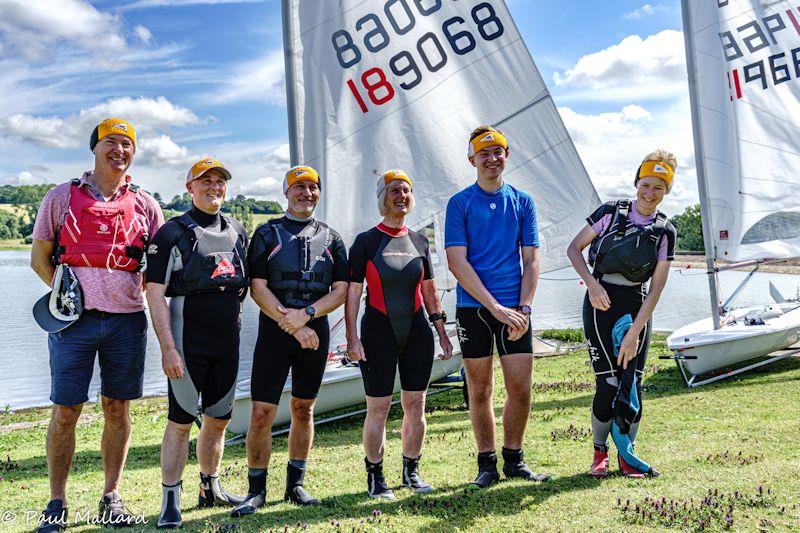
column 405, row 68
column 756, row 35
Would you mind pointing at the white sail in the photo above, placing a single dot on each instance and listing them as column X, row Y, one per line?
column 383, row 84
column 746, row 57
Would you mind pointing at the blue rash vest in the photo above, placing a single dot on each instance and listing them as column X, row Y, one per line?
column 493, row 227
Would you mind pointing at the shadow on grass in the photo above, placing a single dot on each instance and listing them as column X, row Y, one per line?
column 451, row 507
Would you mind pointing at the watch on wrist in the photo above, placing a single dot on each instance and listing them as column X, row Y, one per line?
column 524, row 309
column 310, row 311
column 438, row 316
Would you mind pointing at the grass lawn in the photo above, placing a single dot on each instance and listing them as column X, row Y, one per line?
column 13, row 244
column 726, row 449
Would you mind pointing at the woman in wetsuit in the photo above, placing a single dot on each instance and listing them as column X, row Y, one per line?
column 394, row 331
column 631, row 243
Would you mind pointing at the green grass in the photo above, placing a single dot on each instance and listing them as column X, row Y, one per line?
column 13, row 244
column 727, row 438
column 563, row 335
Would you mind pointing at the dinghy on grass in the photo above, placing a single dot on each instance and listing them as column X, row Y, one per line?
column 745, row 140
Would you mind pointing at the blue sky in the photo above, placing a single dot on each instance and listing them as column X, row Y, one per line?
column 205, row 77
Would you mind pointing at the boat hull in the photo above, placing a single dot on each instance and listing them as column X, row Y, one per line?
column 702, row 349
column 342, row 386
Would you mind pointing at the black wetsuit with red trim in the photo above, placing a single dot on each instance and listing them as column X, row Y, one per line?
column 394, row 329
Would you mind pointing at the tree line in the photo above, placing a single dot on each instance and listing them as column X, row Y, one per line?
column 25, row 199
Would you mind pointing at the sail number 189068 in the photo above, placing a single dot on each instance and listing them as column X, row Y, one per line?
column 404, row 65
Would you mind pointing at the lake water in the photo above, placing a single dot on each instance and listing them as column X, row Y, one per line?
column 24, row 357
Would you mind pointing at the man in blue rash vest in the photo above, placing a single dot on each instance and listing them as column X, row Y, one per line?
column 492, row 245
column 298, row 266
column 198, row 259
column 631, row 246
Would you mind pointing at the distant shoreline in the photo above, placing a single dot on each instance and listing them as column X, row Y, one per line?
column 686, row 261
column 13, row 245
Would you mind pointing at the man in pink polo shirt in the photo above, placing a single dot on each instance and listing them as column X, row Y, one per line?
column 97, row 224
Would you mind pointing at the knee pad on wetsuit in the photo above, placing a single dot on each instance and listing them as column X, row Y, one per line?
column 604, row 393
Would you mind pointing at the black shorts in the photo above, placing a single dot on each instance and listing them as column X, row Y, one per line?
column 384, row 357
column 276, row 352
column 479, row 332
column 599, row 325
column 206, row 332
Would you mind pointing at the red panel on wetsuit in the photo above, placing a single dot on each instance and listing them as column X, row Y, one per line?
column 418, row 292
column 375, row 288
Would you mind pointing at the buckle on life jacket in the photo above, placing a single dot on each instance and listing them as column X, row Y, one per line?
column 307, row 275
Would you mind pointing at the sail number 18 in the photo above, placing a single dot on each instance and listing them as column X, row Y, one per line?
column 375, row 86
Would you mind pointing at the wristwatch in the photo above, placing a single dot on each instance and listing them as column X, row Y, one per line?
column 524, row 309
column 310, row 311
column 438, row 316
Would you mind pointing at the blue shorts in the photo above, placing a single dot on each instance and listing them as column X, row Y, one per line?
column 119, row 339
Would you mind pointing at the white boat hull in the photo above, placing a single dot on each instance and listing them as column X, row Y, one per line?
column 342, row 386
column 701, row 349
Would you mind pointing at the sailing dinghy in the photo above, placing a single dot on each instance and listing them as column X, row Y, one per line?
column 743, row 59
column 380, row 84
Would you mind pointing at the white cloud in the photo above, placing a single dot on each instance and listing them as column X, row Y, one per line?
column 654, row 67
column 146, row 114
column 142, row 4
column 646, row 11
column 259, row 80
column 594, row 129
column 612, row 144
column 29, row 27
column 24, row 178
column 264, row 188
column 143, row 34
column 279, row 156
column 162, row 150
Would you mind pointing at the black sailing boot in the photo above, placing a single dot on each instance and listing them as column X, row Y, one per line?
column 256, row 493
column 411, row 476
column 487, row 471
column 514, row 466
column 295, row 491
column 376, row 483
column 212, row 493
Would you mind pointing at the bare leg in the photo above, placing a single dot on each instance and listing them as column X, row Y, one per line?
column 116, row 440
column 60, row 445
column 259, row 434
column 301, row 432
column 210, row 445
column 375, row 427
column 414, row 424
column 174, row 452
column 480, row 382
column 517, row 370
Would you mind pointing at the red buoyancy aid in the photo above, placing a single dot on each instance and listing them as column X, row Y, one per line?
column 102, row 234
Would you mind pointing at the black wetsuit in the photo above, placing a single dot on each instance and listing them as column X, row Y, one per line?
column 598, row 326
column 276, row 351
column 205, row 319
column 394, row 329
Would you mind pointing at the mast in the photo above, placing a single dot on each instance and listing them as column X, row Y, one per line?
column 699, row 152
column 291, row 100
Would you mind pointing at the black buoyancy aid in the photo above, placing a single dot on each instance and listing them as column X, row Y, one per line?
column 212, row 259
column 627, row 249
column 300, row 267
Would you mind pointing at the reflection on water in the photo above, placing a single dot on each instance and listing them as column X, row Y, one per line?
column 25, row 363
